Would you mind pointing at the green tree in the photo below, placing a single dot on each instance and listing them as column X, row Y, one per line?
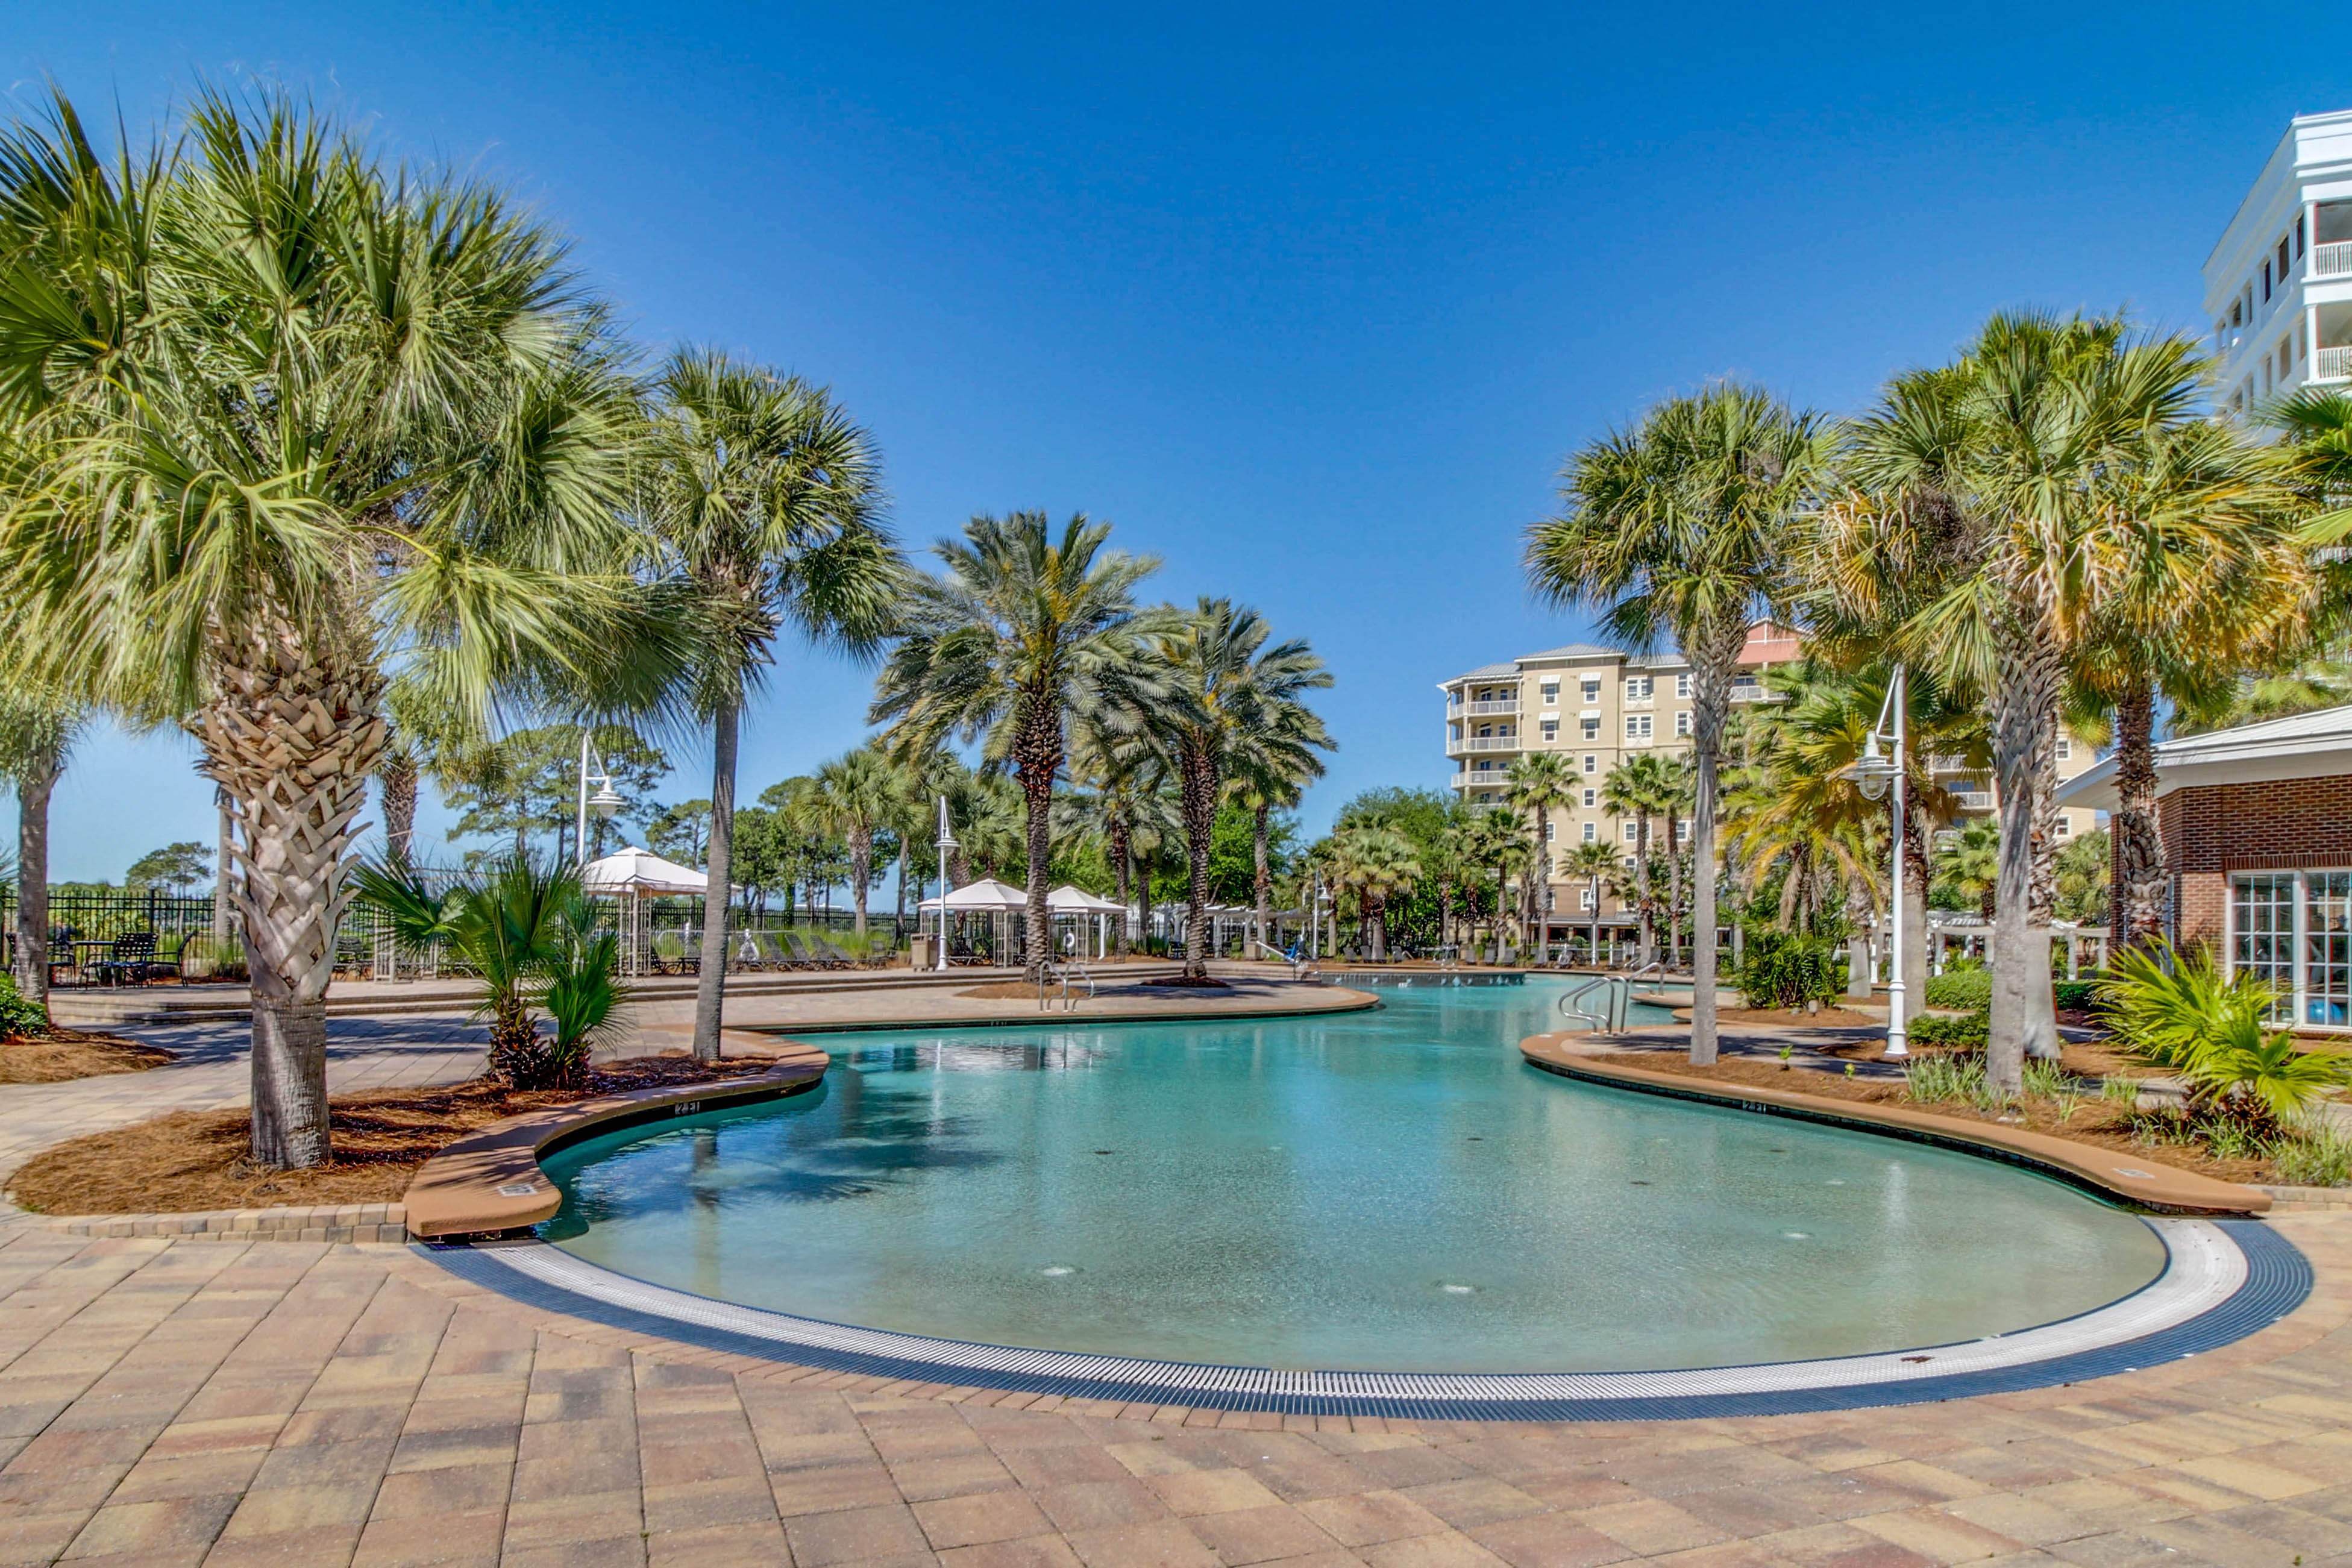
column 1594, row 862
column 1536, row 783
column 293, row 417
column 767, row 500
column 1022, row 635
column 38, row 724
column 856, row 796
column 528, row 783
column 1684, row 528
column 177, row 866
column 682, row 833
column 1375, row 864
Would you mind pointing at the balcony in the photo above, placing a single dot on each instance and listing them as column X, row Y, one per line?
column 1973, row 799
column 2332, row 364
column 1507, row 705
column 1469, row 743
column 1492, row 778
column 1759, row 693
column 2332, row 259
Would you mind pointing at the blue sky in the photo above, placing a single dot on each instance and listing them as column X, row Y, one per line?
column 1310, row 300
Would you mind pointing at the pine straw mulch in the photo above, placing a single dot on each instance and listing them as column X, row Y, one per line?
column 64, row 1054
column 193, row 1162
column 2100, row 1122
column 1797, row 1017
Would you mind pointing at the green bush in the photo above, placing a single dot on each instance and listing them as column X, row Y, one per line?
column 1964, row 989
column 2179, row 1012
column 1782, row 969
column 2314, row 1153
column 2075, row 995
column 19, row 1015
column 1968, row 1034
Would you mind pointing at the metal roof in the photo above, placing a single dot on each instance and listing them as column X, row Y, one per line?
column 2299, row 746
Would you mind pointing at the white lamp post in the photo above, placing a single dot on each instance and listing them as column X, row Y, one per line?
column 605, row 803
column 947, row 885
column 1874, row 773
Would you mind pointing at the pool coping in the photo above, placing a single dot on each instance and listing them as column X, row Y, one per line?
column 1341, row 999
column 2223, row 1280
column 2163, row 1188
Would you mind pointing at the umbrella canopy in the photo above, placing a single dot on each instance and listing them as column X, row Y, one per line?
column 635, row 870
column 1069, row 900
column 987, row 894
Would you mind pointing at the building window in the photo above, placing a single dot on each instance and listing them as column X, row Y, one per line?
column 2282, row 261
column 1591, row 832
column 2065, row 828
column 1593, row 689
column 1633, row 832
column 2065, row 749
column 1682, row 684
column 1682, row 722
column 1548, row 833
column 1592, row 798
column 1637, row 726
column 2327, row 948
column 2298, row 238
column 1591, row 732
column 1486, row 799
column 1550, row 729
column 2266, row 282
column 1639, row 687
column 1584, row 894
column 1592, row 763
column 2262, row 916
column 1551, row 693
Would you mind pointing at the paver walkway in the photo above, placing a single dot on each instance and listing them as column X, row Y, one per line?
column 167, row 1403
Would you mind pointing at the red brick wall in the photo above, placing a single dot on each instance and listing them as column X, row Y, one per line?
column 2286, row 825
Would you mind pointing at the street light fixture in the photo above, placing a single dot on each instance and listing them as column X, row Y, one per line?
column 1876, row 772
column 605, row 803
column 947, row 841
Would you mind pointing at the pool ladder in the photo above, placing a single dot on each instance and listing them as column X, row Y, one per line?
column 1615, row 993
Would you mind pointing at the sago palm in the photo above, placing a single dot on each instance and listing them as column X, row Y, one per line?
column 298, row 421
column 767, row 502
column 1023, row 634
column 1683, row 528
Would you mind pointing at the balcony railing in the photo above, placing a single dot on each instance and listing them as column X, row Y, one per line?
column 1505, row 705
column 1473, row 778
column 1974, row 799
column 1485, row 743
column 1757, row 694
column 2332, row 259
column 2332, row 364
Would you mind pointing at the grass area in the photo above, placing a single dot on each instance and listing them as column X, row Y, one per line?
column 64, row 1054
column 194, row 1161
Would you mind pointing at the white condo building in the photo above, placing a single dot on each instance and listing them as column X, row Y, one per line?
column 2278, row 287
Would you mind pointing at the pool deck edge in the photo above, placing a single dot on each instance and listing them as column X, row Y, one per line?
column 2148, row 1184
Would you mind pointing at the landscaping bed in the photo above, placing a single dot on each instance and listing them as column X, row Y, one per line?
column 61, row 1054
column 197, row 1161
column 2086, row 1118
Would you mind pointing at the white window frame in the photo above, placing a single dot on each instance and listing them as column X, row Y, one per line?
column 1592, row 833
column 1590, row 686
column 1592, row 763
column 1591, row 728
column 1633, row 832
column 1592, row 798
column 1681, row 683
column 1682, row 723
column 1552, row 694
column 1639, row 727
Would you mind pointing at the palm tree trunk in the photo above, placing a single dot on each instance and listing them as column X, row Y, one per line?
column 1199, row 785
column 1711, row 710
column 1037, row 794
column 710, row 974
column 1263, row 884
column 2024, row 698
column 861, row 875
column 1642, row 888
column 222, row 868
column 1593, row 957
column 1916, row 873
column 34, row 787
column 1674, row 887
column 293, row 739
column 398, row 778
column 1122, row 855
column 2138, row 915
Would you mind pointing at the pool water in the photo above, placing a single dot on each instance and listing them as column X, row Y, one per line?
column 1392, row 1190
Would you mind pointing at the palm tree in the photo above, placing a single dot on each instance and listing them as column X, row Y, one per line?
column 1535, row 784
column 1494, row 839
column 1683, row 528
column 856, row 797
column 768, row 503
column 1593, row 862
column 1982, row 526
column 1022, row 635
column 1674, row 791
column 1967, row 865
column 1229, row 697
column 1376, row 863
column 1638, row 787
column 291, row 419
column 37, row 727
column 1270, row 762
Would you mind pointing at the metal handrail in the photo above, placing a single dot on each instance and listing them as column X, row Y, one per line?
column 1601, row 1020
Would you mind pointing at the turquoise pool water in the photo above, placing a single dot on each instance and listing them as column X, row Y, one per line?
column 1393, row 1190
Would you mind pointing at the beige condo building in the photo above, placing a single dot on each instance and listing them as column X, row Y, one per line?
column 1601, row 705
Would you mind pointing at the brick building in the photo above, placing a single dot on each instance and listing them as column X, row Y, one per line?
column 2257, row 828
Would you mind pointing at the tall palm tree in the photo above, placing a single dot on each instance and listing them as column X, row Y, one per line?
column 1022, row 635
column 1493, row 839
column 1981, row 526
column 858, row 796
column 1683, row 528
column 1534, row 783
column 1376, row 863
column 1271, row 762
column 38, row 724
column 767, row 500
column 1121, row 801
column 1639, row 787
column 294, row 420
column 1593, row 862
column 1229, row 695
column 1674, row 790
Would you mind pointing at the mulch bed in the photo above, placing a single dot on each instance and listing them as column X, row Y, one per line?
column 1797, row 1017
column 189, row 1161
column 2095, row 1122
column 64, row 1054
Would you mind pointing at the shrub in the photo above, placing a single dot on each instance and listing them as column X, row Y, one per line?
column 2312, row 1152
column 1782, row 969
column 1969, row 1032
column 2206, row 1028
column 1953, row 1076
column 2076, row 995
column 20, row 1014
column 1964, row 989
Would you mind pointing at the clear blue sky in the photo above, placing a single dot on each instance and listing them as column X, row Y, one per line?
column 1309, row 301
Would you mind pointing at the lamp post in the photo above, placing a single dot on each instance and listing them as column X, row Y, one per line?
column 604, row 803
column 1874, row 773
column 947, row 885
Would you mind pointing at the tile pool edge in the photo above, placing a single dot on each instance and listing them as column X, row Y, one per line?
column 2223, row 1280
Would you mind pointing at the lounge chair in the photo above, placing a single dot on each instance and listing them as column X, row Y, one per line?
column 129, row 960
column 820, row 954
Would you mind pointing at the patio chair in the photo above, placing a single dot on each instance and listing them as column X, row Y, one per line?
column 127, row 961
column 822, row 953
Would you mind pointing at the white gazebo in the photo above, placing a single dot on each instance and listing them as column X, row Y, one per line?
column 1077, row 903
column 638, row 875
column 988, row 896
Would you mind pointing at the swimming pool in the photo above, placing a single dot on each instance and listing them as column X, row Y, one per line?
column 1390, row 1190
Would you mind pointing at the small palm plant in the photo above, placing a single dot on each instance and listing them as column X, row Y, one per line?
column 530, row 932
column 2180, row 1012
